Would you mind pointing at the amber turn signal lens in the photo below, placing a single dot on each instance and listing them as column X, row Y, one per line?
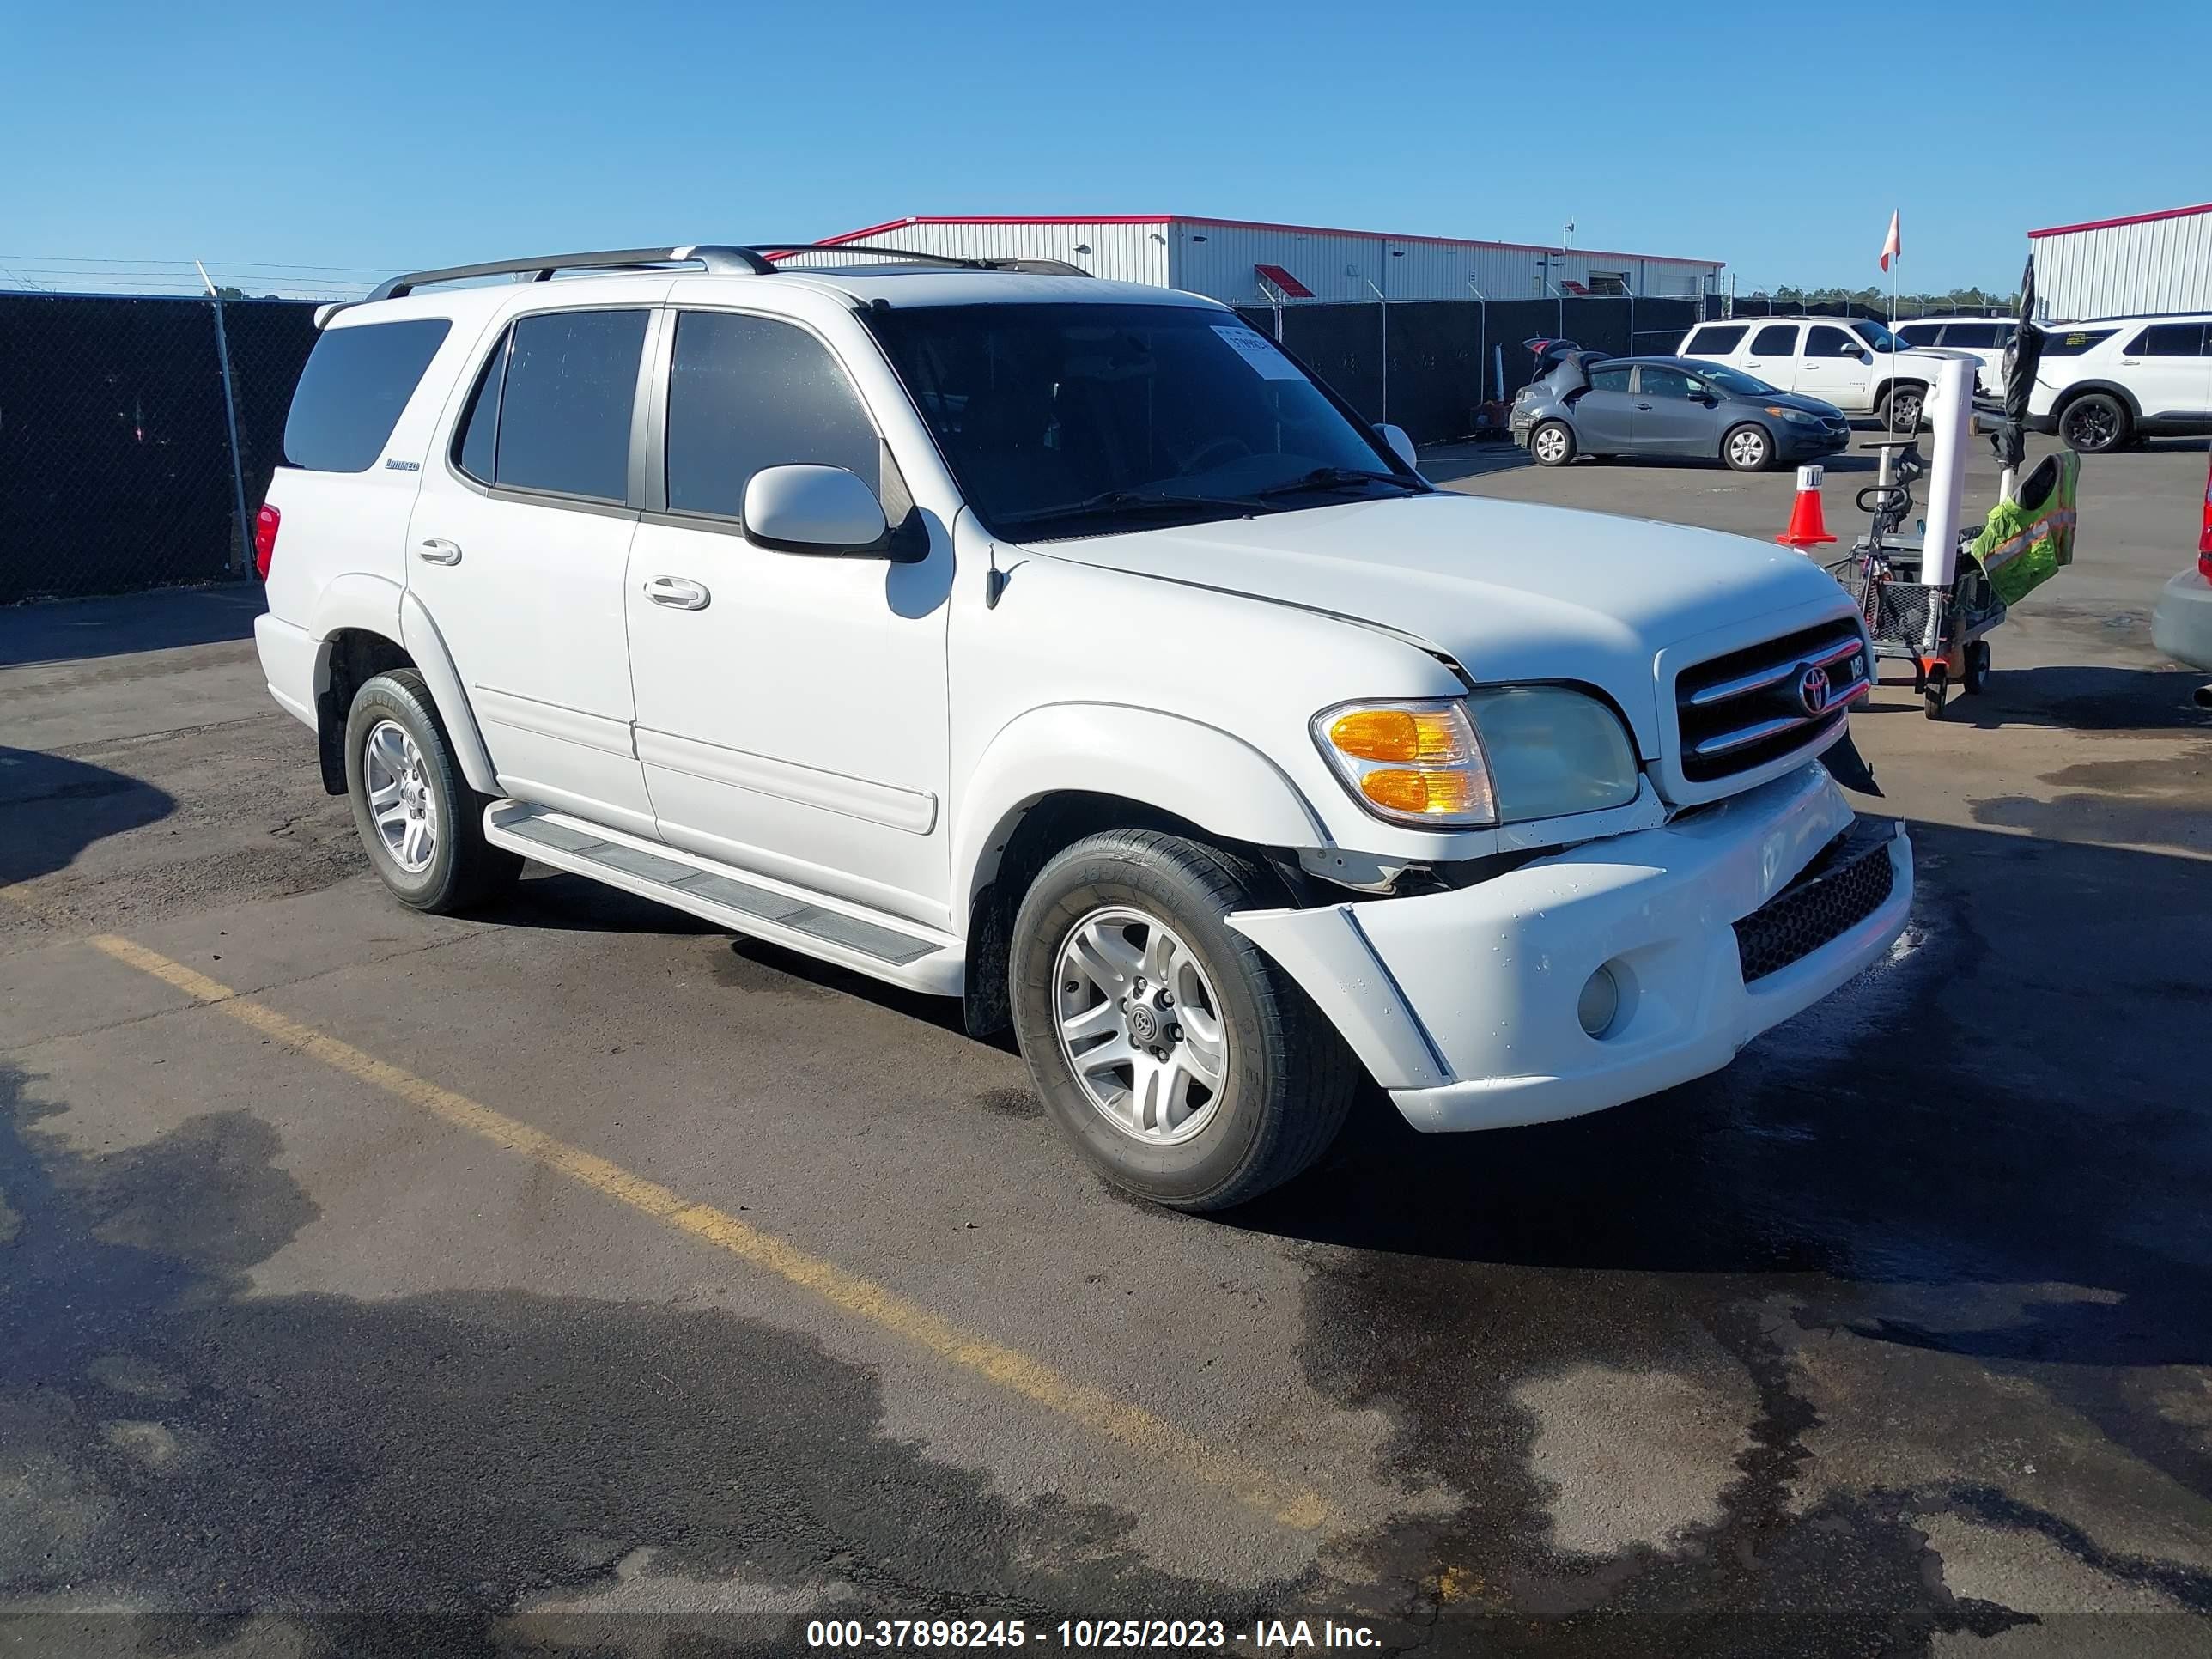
column 1434, row 735
column 1422, row 793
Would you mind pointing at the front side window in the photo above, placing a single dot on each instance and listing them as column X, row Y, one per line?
column 1833, row 343
column 551, row 410
column 1659, row 382
column 1716, row 342
column 1609, row 380
column 353, row 391
column 1734, row 379
column 1876, row 336
column 746, row 392
column 1775, row 340
column 1077, row 419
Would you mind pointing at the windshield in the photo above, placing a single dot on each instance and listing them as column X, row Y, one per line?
column 1073, row 419
column 1733, row 380
column 1878, row 336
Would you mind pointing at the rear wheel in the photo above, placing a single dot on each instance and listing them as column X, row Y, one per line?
column 2093, row 422
column 1553, row 444
column 1978, row 668
column 1900, row 406
column 1187, row 1065
column 1748, row 447
column 421, row 824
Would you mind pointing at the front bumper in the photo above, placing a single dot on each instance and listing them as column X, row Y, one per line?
column 1463, row 1004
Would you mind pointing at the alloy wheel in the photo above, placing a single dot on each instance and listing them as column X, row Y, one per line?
column 1747, row 449
column 1140, row 1025
column 1551, row 445
column 401, row 802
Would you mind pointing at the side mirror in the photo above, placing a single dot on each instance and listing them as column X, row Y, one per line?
column 813, row 509
column 1401, row 445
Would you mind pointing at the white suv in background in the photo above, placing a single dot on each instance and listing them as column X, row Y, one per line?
column 2102, row 384
column 1983, row 338
column 1061, row 646
column 1852, row 362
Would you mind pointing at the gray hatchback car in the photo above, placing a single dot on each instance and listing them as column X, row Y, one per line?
column 1592, row 404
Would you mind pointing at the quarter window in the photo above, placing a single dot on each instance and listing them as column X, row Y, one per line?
column 1833, row 342
column 353, row 391
column 1715, row 341
column 2170, row 340
column 551, row 410
column 1920, row 334
column 1776, row 340
column 746, row 392
column 2072, row 343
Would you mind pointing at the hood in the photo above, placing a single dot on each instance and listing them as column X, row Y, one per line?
column 1509, row 590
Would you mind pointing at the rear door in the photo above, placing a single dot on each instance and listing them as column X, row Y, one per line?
column 1834, row 367
column 1604, row 416
column 518, row 548
column 1672, row 414
column 1772, row 354
column 2166, row 367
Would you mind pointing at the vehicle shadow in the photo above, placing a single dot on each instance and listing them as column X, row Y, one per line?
column 1448, row 463
column 65, row 630
column 2085, row 698
column 51, row 808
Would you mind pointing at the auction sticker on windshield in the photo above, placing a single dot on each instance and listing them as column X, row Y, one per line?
column 1259, row 352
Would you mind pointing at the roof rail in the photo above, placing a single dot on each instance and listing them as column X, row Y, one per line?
column 962, row 262
column 720, row 260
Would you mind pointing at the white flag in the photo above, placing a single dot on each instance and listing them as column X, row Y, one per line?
column 1891, row 246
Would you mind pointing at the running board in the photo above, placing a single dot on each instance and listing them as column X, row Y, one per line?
column 887, row 948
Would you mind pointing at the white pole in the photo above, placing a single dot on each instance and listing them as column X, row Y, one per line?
column 1947, row 481
column 230, row 424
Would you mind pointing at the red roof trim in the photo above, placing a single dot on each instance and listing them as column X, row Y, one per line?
column 2132, row 219
column 1253, row 224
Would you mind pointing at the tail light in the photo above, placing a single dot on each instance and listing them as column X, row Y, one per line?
column 2204, row 531
column 265, row 523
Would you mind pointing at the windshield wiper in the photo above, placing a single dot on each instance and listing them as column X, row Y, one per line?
column 1126, row 501
column 1336, row 477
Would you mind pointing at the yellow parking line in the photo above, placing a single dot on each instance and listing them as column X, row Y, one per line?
column 1035, row 1380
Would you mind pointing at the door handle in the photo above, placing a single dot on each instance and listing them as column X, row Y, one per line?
column 434, row 551
column 676, row 594
column 1645, row 407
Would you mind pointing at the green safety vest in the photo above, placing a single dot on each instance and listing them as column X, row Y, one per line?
column 2027, row 541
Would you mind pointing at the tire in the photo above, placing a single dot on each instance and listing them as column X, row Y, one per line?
column 460, row 869
column 1552, row 443
column 2094, row 423
column 1900, row 407
column 1934, row 693
column 1977, row 674
column 1748, row 447
column 1286, row 1078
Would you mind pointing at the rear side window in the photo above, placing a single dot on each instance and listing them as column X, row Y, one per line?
column 2072, row 343
column 1776, row 340
column 1977, row 336
column 356, row 382
column 1833, row 342
column 551, row 411
column 2170, row 340
column 746, row 392
column 1715, row 341
column 1609, row 380
column 1920, row 333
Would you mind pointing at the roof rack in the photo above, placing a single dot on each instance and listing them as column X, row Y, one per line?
column 757, row 259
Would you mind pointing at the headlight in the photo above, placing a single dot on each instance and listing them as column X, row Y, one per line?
column 1797, row 415
column 1543, row 751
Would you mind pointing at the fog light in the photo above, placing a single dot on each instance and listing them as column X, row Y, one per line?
column 1599, row 1003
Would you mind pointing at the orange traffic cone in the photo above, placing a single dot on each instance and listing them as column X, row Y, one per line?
column 1807, row 527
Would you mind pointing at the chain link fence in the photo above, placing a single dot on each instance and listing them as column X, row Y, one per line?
column 118, row 466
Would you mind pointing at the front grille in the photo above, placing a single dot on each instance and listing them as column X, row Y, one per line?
column 1848, row 883
column 1738, row 712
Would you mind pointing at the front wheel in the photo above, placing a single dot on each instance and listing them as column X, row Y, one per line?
column 1748, row 448
column 421, row 824
column 1900, row 407
column 1553, row 444
column 2094, row 423
column 1188, row 1067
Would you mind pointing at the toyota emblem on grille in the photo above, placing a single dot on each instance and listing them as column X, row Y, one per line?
column 1813, row 690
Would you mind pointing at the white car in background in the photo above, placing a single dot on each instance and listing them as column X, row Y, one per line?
column 2102, row 384
column 1853, row 363
column 1983, row 338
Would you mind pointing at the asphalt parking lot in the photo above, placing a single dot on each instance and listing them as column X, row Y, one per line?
column 576, row 1279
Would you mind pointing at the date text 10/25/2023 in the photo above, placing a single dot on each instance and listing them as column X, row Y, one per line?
column 1086, row 1635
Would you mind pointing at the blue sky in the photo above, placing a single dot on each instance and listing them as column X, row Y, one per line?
column 404, row 135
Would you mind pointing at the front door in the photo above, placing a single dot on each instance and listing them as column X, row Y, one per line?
column 517, row 547
column 1673, row 416
column 1605, row 423
column 1834, row 368
column 791, row 707
column 1772, row 354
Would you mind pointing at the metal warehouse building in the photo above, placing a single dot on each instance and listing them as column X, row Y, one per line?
column 1246, row 262
column 2137, row 266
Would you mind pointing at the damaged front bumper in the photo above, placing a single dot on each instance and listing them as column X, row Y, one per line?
column 1469, row 1006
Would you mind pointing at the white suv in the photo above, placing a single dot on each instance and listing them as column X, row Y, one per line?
column 1061, row 646
column 2102, row 384
column 1852, row 362
column 1983, row 338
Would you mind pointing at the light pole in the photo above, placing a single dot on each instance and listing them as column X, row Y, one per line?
column 1383, row 302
